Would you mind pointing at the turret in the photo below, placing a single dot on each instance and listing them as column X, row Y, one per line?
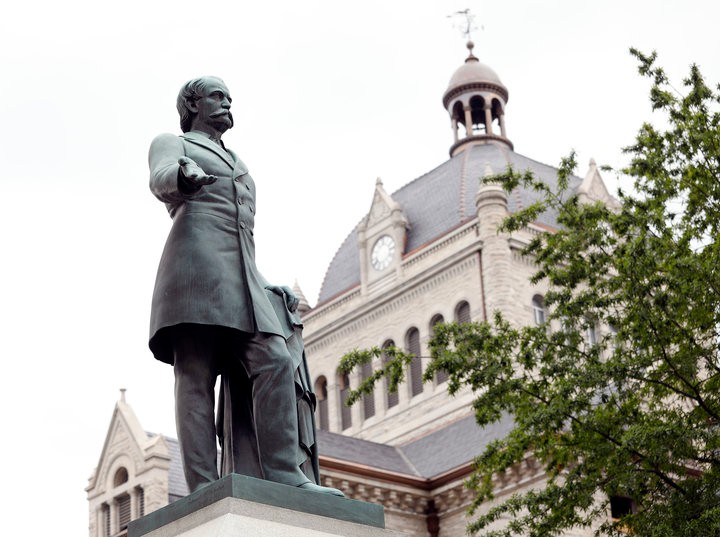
column 475, row 99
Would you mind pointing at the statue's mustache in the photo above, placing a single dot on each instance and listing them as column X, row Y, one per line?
column 223, row 113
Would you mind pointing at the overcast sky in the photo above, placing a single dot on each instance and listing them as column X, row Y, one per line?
column 328, row 96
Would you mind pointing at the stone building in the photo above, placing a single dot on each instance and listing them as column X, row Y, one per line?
column 137, row 473
column 427, row 253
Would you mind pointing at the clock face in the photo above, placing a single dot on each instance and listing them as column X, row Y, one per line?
column 383, row 252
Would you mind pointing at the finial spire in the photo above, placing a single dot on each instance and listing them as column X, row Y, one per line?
column 488, row 170
column 303, row 304
column 471, row 57
column 122, row 394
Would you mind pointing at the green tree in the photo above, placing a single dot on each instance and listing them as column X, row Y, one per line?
column 637, row 412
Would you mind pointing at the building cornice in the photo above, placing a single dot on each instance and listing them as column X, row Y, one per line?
column 478, row 139
column 474, row 86
column 422, row 483
column 412, row 494
column 383, row 303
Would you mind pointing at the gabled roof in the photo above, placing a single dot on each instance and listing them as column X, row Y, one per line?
column 123, row 423
column 441, row 200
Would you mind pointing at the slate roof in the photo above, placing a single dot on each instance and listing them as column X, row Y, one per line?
column 177, row 486
column 428, row 456
column 364, row 452
column 454, row 445
column 439, row 201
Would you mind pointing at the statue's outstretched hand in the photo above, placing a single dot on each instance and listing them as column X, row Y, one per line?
column 291, row 301
column 193, row 173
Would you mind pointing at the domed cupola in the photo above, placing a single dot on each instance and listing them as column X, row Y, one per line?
column 476, row 99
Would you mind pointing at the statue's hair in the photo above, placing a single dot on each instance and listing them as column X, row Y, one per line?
column 191, row 90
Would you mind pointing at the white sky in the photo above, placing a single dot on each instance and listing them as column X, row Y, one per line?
column 328, row 95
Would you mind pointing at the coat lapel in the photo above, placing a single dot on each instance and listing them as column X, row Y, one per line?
column 200, row 140
column 240, row 168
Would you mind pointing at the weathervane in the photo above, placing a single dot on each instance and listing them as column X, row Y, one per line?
column 467, row 26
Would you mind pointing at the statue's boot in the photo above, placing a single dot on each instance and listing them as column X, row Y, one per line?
column 322, row 490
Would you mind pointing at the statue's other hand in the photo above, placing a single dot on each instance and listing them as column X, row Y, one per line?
column 291, row 301
column 193, row 173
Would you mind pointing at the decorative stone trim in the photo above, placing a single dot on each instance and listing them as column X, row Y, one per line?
column 370, row 314
column 474, row 86
column 478, row 138
column 456, row 497
column 466, row 229
column 415, row 503
column 527, row 471
column 445, row 495
column 340, row 300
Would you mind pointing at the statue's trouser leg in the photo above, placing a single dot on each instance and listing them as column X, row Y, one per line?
column 195, row 375
column 271, row 371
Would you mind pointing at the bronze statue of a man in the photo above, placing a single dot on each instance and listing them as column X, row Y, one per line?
column 211, row 312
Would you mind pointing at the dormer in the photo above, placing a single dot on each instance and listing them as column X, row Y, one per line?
column 131, row 478
column 593, row 188
column 382, row 237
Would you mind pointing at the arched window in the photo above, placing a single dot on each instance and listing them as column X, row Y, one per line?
column 322, row 408
column 345, row 414
column 440, row 376
column 613, row 335
column 458, row 114
column 538, row 306
column 462, row 312
column 127, row 502
column 590, row 332
column 412, row 345
column 392, row 397
column 121, row 476
column 436, row 319
column 477, row 112
column 496, row 113
column 368, row 398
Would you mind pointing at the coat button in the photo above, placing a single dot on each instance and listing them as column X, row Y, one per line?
column 243, row 225
column 240, row 201
column 247, row 186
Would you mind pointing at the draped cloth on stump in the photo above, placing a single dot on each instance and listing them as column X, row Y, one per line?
column 235, row 423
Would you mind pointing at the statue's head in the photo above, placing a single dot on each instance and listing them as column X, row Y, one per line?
column 195, row 90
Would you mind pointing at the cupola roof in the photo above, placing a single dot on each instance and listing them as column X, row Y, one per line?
column 473, row 74
column 473, row 70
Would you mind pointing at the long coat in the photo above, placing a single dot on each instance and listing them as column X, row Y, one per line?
column 207, row 272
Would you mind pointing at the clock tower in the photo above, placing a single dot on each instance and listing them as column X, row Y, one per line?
column 381, row 242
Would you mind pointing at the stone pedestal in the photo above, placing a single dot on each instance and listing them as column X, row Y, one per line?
column 238, row 505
